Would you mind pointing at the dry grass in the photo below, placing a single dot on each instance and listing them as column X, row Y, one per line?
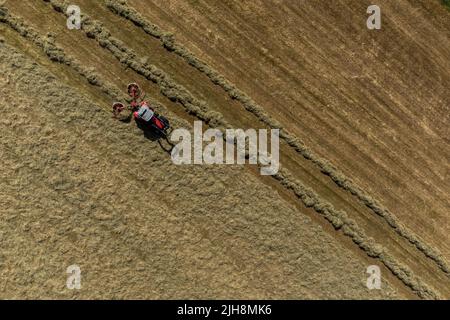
column 339, row 219
column 177, row 93
column 81, row 208
column 168, row 40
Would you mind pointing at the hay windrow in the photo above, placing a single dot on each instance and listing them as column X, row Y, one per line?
column 99, row 216
column 339, row 219
column 57, row 54
column 129, row 58
column 122, row 9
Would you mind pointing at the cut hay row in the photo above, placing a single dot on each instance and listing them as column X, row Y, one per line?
column 339, row 219
column 57, row 54
column 103, row 142
column 54, row 53
column 169, row 88
column 309, row 198
column 121, row 8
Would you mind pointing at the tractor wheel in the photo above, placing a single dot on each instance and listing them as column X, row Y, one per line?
column 134, row 91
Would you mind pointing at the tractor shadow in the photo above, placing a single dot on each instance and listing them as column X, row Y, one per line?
column 153, row 135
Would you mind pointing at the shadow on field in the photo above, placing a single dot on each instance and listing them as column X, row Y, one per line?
column 152, row 135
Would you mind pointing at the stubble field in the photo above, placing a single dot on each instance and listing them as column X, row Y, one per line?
column 364, row 147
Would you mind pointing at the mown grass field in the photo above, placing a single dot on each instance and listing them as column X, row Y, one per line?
column 364, row 150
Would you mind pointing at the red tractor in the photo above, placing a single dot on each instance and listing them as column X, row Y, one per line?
column 144, row 115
